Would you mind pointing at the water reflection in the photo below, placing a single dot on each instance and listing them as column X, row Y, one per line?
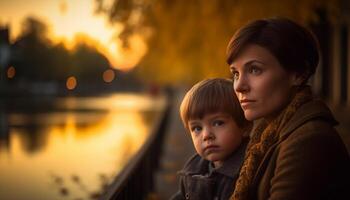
column 75, row 148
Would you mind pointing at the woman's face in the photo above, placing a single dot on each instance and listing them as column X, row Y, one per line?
column 262, row 85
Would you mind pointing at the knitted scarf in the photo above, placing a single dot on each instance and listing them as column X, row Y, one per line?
column 264, row 136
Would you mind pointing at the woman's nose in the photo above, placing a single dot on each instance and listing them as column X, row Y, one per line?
column 240, row 85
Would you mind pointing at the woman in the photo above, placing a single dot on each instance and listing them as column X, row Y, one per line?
column 294, row 152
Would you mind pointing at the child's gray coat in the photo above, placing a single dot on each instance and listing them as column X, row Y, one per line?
column 199, row 180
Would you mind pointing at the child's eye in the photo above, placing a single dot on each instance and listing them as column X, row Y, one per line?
column 255, row 70
column 218, row 122
column 196, row 129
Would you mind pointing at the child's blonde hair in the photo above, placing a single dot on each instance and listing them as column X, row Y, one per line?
column 211, row 96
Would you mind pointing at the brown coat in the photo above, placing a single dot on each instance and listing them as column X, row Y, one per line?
column 309, row 161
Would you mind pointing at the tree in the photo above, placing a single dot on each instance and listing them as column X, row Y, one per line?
column 31, row 47
column 189, row 37
column 89, row 64
column 37, row 59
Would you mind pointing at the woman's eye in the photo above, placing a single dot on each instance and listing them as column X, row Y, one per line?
column 235, row 75
column 218, row 122
column 255, row 70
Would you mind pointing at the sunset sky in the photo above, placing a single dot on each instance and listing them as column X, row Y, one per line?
column 69, row 20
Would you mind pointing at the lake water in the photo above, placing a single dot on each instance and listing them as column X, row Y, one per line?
column 70, row 147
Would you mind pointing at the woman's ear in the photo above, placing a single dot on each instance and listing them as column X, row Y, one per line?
column 299, row 79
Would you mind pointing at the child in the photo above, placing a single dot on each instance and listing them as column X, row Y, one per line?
column 211, row 112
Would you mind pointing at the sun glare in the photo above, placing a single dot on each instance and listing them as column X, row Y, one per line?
column 69, row 20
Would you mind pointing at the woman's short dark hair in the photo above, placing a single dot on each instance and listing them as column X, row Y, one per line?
column 294, row 46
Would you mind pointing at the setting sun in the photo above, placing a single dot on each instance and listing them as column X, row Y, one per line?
column 70, row 21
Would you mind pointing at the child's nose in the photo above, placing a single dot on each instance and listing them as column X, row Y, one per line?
column 208, row 134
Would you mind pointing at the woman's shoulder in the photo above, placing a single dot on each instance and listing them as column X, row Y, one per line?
column 313, row 117
column 315, row 131
column 312, row 127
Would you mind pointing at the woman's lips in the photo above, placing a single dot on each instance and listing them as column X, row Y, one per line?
column 245, row 103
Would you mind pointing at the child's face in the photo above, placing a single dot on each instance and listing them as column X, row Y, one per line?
column 215, row 137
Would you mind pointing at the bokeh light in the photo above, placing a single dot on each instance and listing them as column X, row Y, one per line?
column 108, row 75
column 71, row 83
column 11, row 72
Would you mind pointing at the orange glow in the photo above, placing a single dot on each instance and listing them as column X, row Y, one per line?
column 67, row 19
column 119, row 58
column 126, row 59
column 11, row 72
column 108, row 75
column 71, row 83
column 103, row 141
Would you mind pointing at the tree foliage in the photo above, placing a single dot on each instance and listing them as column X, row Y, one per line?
column 189, row 37
column 37, row 59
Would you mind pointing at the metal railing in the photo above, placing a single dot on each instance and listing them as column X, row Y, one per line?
column 136, row 180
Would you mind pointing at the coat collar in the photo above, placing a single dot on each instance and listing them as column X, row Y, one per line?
column 197, row 165
column 233, row 164
column 308, row 111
